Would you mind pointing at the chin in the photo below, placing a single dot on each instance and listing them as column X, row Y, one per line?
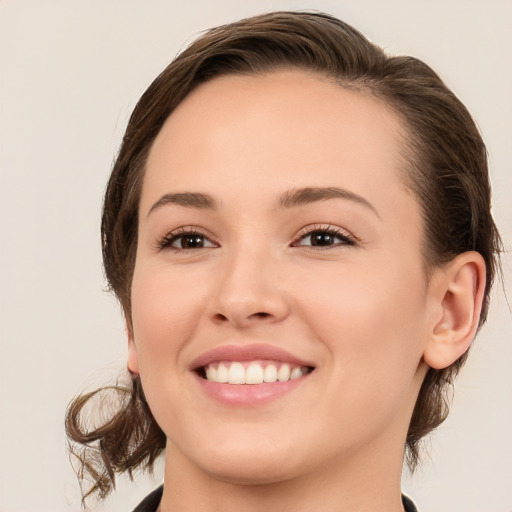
column 246, row 460
column 251, row 471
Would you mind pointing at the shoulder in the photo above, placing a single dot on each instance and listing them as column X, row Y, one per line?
column 151, row 501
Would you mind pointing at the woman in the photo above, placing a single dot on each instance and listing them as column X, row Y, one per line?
column 298, row 229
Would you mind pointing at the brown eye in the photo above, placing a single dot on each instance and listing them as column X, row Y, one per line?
column 185, row 240
column 192, row 241
column 321, row 239
column 325, row 238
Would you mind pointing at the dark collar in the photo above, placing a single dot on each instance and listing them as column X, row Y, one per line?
column 409, row 506
column 151, row 501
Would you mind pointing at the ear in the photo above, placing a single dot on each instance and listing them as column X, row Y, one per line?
column 133, row 358
column 458, row 288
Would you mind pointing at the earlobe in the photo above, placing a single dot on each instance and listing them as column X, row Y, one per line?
column 133, row 359
column 460, row 287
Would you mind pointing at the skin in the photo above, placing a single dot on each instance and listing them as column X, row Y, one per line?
column 363, row 313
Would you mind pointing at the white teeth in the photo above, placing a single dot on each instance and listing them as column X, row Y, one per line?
column 270, row 373
column 222, row 373
column 253, row 373
column 284, row 373
column 296, row 373
column 236, row 374
column 212, row 374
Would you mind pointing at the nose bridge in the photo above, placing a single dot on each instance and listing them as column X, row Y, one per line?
column 248, row 289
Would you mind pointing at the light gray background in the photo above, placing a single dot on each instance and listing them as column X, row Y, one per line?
column 70, row 73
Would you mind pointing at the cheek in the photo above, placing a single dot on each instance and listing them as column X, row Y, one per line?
column 166, row 308
column 372, row 319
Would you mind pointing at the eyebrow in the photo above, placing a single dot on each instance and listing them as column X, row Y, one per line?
column 187, row 199
column 301, row 196
column 290, row 199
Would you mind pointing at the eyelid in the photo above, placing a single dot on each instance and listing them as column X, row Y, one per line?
column 343, row 234
column 164, row 242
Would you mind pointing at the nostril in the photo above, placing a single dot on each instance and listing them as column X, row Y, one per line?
column 261, row 315
column 241, row 318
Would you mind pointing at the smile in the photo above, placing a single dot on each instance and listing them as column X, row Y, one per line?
column 249, row 375
column 253, row 372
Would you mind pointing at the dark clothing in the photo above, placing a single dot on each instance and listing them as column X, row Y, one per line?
column 151, row 501
column 409, row 506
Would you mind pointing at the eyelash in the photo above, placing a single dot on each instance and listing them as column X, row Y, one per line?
column 165, row 243
column 344, row 236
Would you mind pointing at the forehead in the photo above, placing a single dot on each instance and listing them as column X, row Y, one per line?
column 278, row 130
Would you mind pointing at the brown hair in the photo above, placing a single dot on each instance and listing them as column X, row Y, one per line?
column 446, row 169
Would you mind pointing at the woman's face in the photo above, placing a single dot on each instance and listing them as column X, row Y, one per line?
column 278, row 241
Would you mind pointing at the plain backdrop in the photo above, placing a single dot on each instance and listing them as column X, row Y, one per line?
column 70, row 73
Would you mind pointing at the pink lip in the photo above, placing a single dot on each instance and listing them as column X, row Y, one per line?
column 241, row 353
column 247, row 395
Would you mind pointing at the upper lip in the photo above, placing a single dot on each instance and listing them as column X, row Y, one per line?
column 247, row 353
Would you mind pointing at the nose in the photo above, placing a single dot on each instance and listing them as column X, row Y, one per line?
column 249, row 291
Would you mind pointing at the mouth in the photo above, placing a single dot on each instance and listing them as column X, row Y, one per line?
column 252, row 372
column 247, row 375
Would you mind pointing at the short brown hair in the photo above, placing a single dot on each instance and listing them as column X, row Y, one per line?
column 446, row 169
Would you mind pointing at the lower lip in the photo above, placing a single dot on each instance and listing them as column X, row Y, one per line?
column 248, row 395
